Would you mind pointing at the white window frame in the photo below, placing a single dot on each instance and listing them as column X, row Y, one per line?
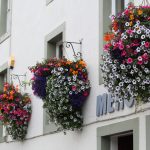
column 8, row 28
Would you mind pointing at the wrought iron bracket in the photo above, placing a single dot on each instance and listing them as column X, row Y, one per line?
column 17, row 77
column 71, row 45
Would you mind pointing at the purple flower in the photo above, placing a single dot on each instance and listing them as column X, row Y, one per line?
column 39, row 86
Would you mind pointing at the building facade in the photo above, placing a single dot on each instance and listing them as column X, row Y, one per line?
column 28, row 30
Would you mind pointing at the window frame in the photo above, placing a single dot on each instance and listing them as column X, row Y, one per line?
column 104, row 133
column 51, row 128
column 6, row 35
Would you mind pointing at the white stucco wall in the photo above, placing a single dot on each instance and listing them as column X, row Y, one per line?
column 31, row 22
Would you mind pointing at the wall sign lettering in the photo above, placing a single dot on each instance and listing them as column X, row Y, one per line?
column 106, row 104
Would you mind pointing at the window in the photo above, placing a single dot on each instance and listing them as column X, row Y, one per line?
column 3, row 79
column 119, row 136
column 53, row 48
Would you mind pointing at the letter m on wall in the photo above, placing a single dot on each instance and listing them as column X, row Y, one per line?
column 101, row 105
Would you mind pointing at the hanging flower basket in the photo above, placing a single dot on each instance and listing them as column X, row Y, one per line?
column 67, row 89
column 15, row 111
column 126, row 66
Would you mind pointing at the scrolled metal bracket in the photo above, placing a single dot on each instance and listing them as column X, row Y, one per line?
column 70, row 45
column 17, row 77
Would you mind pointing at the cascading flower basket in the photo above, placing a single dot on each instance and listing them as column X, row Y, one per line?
column 15, row 111
column 126, row 64
column 67, row 89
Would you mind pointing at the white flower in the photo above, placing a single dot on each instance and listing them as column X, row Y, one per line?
column 138, row 49
column 70, row 92
column 138, row 31
column 138, row 79
column 134, row 81
column 132, row 71
column 138, row 22
column 147, row 31
column 143, row 42
column 143, row 37
column 136, row 25
column 122, row 66
column 125, row 37
column 69, row 79
column 146, row 70
column 82, row 87
column 121, row 84
column 127, row 24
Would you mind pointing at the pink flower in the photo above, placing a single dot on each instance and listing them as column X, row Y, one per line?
column 46, row 69
column 145, row 56
column 1, row 118
column 135, row 52
column 33, row 78
column 127, row 46
column 121, row 46
column 85, row 93
column 129, row 31
column 147, row 44
column 74, row 88
column 123, row 53
column 106, row 47
column 140, row 62
column 126, row 12
column 129, row 60
column 140, row 58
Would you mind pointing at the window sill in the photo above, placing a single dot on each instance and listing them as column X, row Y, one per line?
column 48, row 2
column 4, row 37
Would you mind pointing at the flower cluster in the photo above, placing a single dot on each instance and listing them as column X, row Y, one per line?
column 15, row 111
column 126, row 64
column 41, row 71
column 66, row 90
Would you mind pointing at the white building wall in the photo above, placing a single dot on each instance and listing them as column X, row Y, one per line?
column 31, row 22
